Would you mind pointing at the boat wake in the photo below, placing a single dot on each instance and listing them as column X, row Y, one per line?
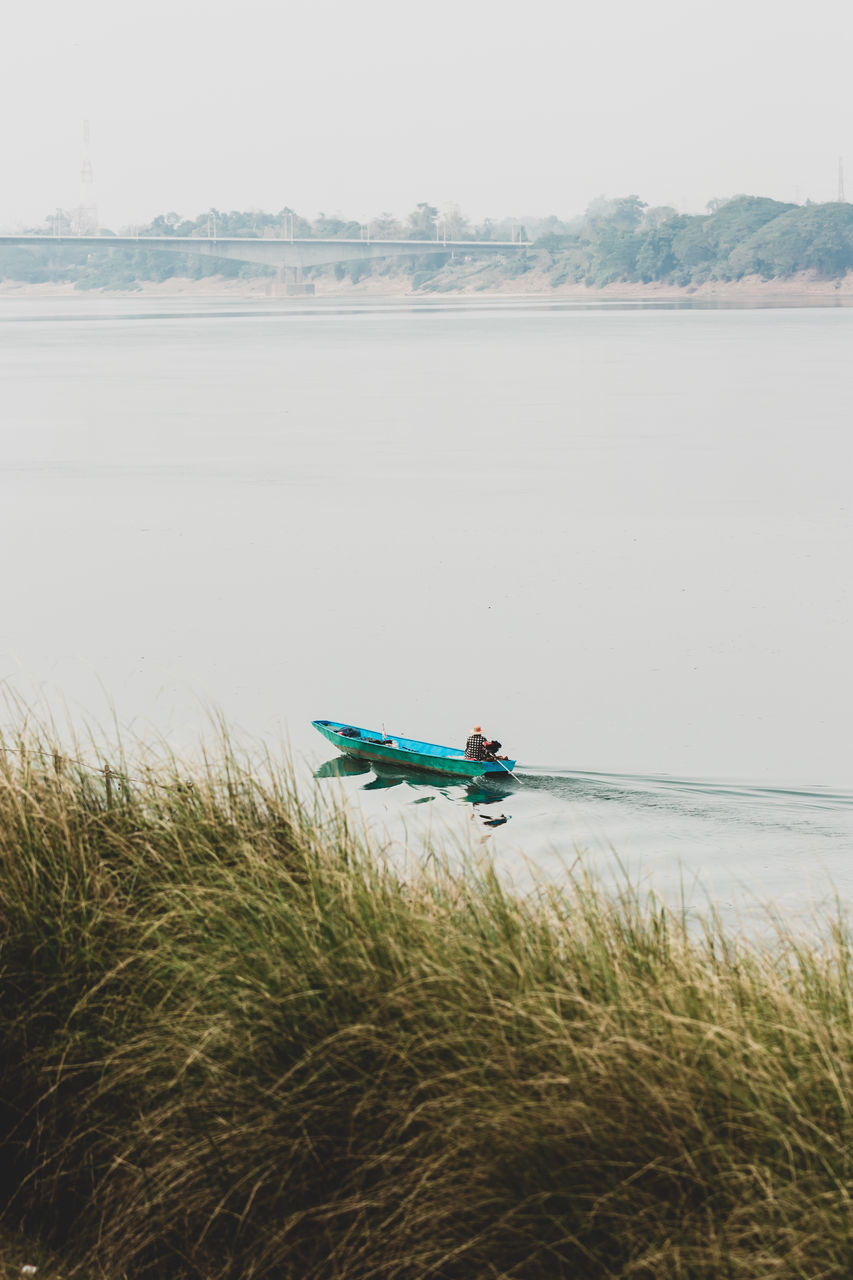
column 663, row 789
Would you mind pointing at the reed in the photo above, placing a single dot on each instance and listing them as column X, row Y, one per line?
column 237, row 1043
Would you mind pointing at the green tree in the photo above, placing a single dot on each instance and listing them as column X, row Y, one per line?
column 814, row 237
column 385, row 227
column 692, row 246
column 420, row 224
column 335, row 228
column 626, row 213
column 656, row 258
column 454, row 224
column 659, row 214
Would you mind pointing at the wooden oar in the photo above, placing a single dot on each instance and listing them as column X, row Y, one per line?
column 509, row 771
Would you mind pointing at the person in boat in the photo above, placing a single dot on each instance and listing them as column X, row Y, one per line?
column 479, row 747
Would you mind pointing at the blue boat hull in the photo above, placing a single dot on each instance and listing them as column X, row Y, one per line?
column 370, row 744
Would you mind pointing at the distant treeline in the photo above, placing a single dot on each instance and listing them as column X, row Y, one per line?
column 621, row 240
column 624, row 240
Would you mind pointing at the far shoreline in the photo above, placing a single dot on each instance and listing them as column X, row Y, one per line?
column 805, row 288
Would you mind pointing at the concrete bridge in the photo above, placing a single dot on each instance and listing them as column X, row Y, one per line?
column 289, row 257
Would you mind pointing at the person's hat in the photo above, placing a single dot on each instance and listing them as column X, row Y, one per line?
column 477, row 729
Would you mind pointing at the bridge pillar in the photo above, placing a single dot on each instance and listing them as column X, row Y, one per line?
column 289, row 283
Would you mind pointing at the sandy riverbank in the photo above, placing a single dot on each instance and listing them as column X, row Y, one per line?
column 804, row 288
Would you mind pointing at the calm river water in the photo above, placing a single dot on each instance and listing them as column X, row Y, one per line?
column 617, row 536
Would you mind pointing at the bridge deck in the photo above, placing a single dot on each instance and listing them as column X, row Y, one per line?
column 273, row 252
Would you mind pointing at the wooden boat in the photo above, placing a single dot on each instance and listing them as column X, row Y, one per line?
column 372, row 744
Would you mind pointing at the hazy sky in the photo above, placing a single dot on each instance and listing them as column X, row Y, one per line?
column 503, row 108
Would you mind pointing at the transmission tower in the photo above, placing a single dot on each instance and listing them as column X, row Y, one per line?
column 87, row 213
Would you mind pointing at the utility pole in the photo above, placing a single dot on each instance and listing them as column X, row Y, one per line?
column 87, row 214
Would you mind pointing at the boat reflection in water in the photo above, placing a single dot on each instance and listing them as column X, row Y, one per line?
column 342, row 767
column 480, row 793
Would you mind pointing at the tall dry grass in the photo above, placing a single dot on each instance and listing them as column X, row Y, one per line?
column 236, row 1044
